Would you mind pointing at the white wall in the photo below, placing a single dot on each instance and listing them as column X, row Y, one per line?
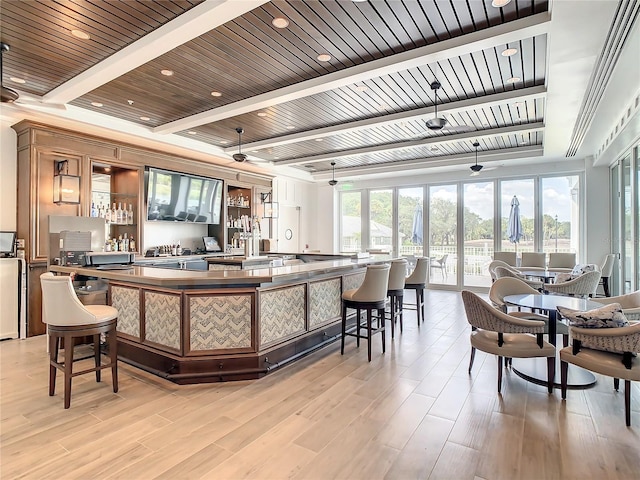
column 291, row 192
column 8, row 174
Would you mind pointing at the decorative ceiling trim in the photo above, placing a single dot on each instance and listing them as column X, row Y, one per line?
column 625, row 17
column 488, row 38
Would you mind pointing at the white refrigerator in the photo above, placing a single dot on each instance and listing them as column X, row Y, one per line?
column 12, row 298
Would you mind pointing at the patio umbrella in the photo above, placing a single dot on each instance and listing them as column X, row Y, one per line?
column 514, row 227
column 416, row 231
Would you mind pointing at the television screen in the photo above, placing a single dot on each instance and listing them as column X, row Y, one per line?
column 7, row 242
column 178, row 197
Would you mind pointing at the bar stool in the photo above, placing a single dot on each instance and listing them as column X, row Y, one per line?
column 395, row 292
column 418, row 281
column 68, row 319
column 372, row 295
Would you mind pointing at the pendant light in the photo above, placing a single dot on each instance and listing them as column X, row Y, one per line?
column 475, row 169
column 333, row 180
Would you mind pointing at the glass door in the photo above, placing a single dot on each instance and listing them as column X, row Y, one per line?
column 478, row 218
column 410, row 222
column 627, row 224
column 443, row 229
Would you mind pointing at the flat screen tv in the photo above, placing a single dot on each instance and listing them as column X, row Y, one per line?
column 179, row 197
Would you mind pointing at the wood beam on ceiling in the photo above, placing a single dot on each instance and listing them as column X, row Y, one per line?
column 452, row 48
column 475, row 135
column 487, row 101
column 503, row 155
column 198, row 20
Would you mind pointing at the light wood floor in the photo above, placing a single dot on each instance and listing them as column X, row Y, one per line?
column 413, row 412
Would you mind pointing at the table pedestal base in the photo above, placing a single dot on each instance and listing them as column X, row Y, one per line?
column 534, row 370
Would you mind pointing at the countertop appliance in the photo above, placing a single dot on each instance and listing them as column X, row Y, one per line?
column 108, row 260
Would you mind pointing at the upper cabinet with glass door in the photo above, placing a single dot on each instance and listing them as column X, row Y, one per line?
column 115, row 196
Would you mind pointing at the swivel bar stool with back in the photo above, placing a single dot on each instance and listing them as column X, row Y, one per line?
column 68, row 319
column 370, row 296
column 418, row 281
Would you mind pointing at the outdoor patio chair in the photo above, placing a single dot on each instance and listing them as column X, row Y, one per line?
column 440, row 263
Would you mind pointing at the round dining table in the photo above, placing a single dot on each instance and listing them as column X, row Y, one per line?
column 546, row 276
column 534, row 370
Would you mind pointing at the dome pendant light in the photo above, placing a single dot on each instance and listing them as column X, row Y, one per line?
column 239, row 157
column 8, row 95
column 475, row 169
column 333, row 182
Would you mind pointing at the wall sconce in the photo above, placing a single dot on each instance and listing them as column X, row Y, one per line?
column 66, row 188
column 270, row 207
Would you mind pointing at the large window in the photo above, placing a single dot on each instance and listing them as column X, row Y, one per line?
column 443, row 231
column 524, row 192
column 560, row 214
column 381, row 220
column 351, row 226
column 478, row 233
column 410, row 221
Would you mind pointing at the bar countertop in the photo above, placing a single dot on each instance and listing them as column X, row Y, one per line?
column 166, row 277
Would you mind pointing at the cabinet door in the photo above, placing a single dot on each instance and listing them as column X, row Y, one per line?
column 34, row 302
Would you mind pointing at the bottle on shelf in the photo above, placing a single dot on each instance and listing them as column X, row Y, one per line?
column 107, row 245
column 125, row 243
column 130, row 215
column 132, row 244
column 114, row 213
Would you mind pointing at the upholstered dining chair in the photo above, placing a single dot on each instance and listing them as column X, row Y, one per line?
column 583, row 286
column 67, row 319
column 507, row 257
column 501, row 272
column 629, row 302
column 533, row 260
column 492, row 268
column 418, row 281
column 506, row 336
column 608, row 351
column 370, row 296
column 606, row 270
column 561, row 260
column 513, row 286
column 395, row 291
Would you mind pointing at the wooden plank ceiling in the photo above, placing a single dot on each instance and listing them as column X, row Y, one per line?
column 364, row 119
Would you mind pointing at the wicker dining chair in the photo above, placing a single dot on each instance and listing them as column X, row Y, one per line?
column 510, row 272
column 629, row 302
column 583, row 286
column 506, row 336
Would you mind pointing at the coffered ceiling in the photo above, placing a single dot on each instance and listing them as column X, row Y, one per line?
column 192, row 71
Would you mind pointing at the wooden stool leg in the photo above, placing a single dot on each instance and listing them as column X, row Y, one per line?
column 499, row 374
column 551, row 373
column 344, row 327
column 96, row 354
column 68, row 369
column 381, row 312
column 473, row 356
column 358, row 313
column 54, row 345
column 627, row 402
column 400, row 298
column 112, row 341
column 564, row 370
column 369, row 333
column 393, row 316
column 422, row 302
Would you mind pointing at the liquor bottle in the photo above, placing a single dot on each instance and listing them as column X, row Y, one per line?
column 125, row 243
column 132, row 244
column 114, row 213
column 119, row 214
column 130, row 215
column 107, row 245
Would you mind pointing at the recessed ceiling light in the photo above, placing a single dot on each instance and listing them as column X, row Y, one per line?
column 362, row 88
column 97, row 104
column 509, row 51
column 255, row 151
column 80, row 34
column 191, row 132
column 216, row 94
column 145, row 119
column 434, row 148
column 514, row 80
column 223, row 142
column 280, row 22
column 324, row 57
column 262, row 114
column 500, row 3
column 17, row 80
column 318, row 139
column 166, row 73
column 130, row 102
column 290, row 127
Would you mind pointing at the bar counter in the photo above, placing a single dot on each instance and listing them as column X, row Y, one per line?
column 209, row 326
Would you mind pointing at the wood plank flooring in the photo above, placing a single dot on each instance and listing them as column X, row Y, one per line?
column 413, row 412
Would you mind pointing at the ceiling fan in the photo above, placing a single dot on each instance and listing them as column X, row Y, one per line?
column 9, row 95
column 240, row 157
column 475, row 169
column 439, row 123
column 333, row 182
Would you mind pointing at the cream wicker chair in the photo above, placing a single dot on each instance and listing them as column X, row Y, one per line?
column 513, row 286
column 506, row 336
column 630, row 304
column 492, row 268
column 68, row 319
column 507, row 257
column 371, row 295
column 583, row 286
column 606, row 269
column 533, row 260
column 510, row 272
column 618, row 361
column 562, row 261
